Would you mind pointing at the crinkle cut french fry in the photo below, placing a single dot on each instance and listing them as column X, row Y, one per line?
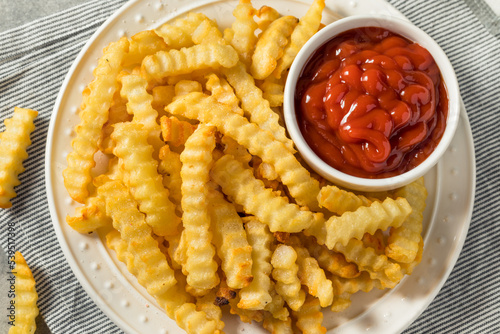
column 175, row 62
column 311, row 275
column 178, row 33
column 200, row 266
column 243, row 188
column 277, row 305
column 254, row 104
column 353, row 224
column 241, row 34
column 308, row 26
column 339, row 201
column 14, row 141
column 273, row 90
column 117, row 114
column 89, row 217
column 239, row 152
column 223, row 92
column 176, row 302
column 301, row 185
column 231, row 241
column 309, row 317
column 285, row 274
column 207, row 304
column 170, row 167
column 147, row 262
column 331, row 261
column 140, row 106
column 143, row 179
column 277, row 326
column 174, row 131
column 266, row 16
column 378, row 266
column 403, row 242
column 97, row 98
column 25, row 298
column 269, row 47
column 207, row 32
column 143, row 44
column 256, row 295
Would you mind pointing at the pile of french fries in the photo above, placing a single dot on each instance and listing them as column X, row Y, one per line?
column 210, row 205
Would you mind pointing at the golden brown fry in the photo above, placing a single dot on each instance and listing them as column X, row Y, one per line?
column 340, row 229
column 143, row 44
column 142, row 177
column 231, row 241
column 25, row 298
column 339, row 201
column 200, row 266
column 308, row 25
column 97, row 98
column 309, row 317
column 403, row 242
column 311, row 275
column 174, row 131
column 266, row 16
column 14, row 140
column 285, row 274
column 90, row 217
column 301, row 185
column 177, row 34
column 243, row 188
column 277, row 326
column 378, row 266
column 269, row 47
column 254, row 105
column 207, row 32
column 175, row 62
column 223, row 92
column 162, row 96
column 256, row 295
column 241, row 35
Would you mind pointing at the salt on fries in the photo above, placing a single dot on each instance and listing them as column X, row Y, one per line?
column 205, row 199
column 14, row 140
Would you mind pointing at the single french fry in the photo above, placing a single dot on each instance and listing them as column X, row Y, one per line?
column 141, row 169
column 285, row 274
column 269, row 47
column 97, row 98
column 170, row 167
column 231, row 240
column 177, row 34
column 340, row 229
column 339, row 201
column 243, row 188
column 223, row 92
column 254, row 104
column 140, row 106
column 309, row 316
column 301, row 185
column 307, row 27
column 311, row 275
column 378, row 266
column 186, row 60
column 143, row 44
column 90, row 217
column 14, row 140
column 25, row 298
column 256, row 295
column 241, row 34
column 200, row 266
column 174, row 131
column 403, row 241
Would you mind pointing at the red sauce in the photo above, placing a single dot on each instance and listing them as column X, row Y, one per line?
column 371, row 103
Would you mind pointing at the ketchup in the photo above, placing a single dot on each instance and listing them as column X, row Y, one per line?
column 371, row 103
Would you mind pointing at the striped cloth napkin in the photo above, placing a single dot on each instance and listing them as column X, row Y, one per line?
column 35, row 58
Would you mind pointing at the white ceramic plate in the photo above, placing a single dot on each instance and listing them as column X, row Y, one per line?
column 449, row 206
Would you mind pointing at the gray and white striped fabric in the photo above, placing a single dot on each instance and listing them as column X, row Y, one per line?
column 35, row 58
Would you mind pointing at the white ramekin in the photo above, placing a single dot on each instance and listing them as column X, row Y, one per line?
column 405, row 29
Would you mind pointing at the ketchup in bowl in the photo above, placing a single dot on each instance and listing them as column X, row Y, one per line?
column 371, row 103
